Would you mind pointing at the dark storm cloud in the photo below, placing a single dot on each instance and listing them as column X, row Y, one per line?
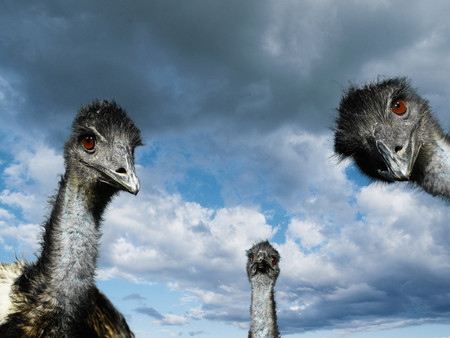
column 160, row 60
column 207, row 65
column 411, row 292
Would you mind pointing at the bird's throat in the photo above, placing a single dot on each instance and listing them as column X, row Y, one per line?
column 263, row 321
column 436, row 172
column 73, row 248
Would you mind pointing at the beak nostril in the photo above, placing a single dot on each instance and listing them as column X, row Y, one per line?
column 398, row 148
column 121, row 171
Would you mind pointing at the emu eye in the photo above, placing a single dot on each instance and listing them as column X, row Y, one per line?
column 399, row 107
column 274, row 261
column 89, row 142
column 251, row 258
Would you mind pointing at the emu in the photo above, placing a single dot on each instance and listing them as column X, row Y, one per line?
column 262, row 272
column 56, row 295
column 391, row 134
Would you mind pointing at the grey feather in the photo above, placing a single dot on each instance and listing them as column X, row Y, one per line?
column 391, row 134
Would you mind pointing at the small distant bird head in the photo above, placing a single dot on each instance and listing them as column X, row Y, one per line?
column 263, row 259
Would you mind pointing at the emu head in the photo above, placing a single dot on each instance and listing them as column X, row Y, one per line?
column 100, row 150
column 383, row 127
column 263, row 259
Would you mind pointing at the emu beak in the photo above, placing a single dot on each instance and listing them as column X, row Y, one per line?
column 126, row 179
column 261, row 256
column 124, row 175
column 399, row 160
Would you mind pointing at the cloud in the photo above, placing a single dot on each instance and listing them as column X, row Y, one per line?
column 197, row 333
column 167, row 319
column 309, row 234
column 30, row 178
column 134, row 296
column 369, row 266
column 149, row 311
column 391, row 264
column 171, row 319
column 353, row 260
column 114, row 272
column 162, row 233
column 196, row 251
column 268, row 69
column 20, row 239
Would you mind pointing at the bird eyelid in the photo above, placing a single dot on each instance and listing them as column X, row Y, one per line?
column 89, row 134
column 95, row 132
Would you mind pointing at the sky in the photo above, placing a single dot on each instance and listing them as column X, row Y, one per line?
column 236, row 101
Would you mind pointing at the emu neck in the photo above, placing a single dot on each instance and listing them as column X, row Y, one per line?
column 436, row 173
column 70, row 247
column 263, row 312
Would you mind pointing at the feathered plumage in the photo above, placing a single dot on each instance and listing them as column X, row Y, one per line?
column 262, row 272
column 56, row 295
column 392, row 135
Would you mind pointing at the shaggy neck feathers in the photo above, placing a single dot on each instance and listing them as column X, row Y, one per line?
column 435, row 177
column 65, row 270
column 263, row 321
column 73, row 248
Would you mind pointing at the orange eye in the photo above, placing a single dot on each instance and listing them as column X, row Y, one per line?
column 251, row 258
column 399, row 107
column 274, row 261
column 89, row 142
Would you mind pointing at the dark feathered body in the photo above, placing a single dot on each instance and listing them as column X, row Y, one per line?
column 56, row 295
column 262, row 272
column 392, row 135
column 97, row 318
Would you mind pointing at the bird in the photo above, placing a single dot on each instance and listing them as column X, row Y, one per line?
column 262, row 272
column 392, row 135
column 56, row 295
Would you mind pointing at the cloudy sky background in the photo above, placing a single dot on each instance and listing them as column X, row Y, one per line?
column 236, row 102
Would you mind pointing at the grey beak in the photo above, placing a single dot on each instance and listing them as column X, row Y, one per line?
column 124, row 176
column 399, row 159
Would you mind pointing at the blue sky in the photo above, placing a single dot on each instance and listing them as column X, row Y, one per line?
column 236, row 103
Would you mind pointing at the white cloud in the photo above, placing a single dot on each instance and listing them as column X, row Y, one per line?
column 19, row 239
column 171, row 319
column 340, row 242
column 164, row 234
column 24, row 202
column 114, row 272
column 355, row 293
column 30, row 179
column 5, row 214
column 38, row 164
column 309, row 233
column 397, row 247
